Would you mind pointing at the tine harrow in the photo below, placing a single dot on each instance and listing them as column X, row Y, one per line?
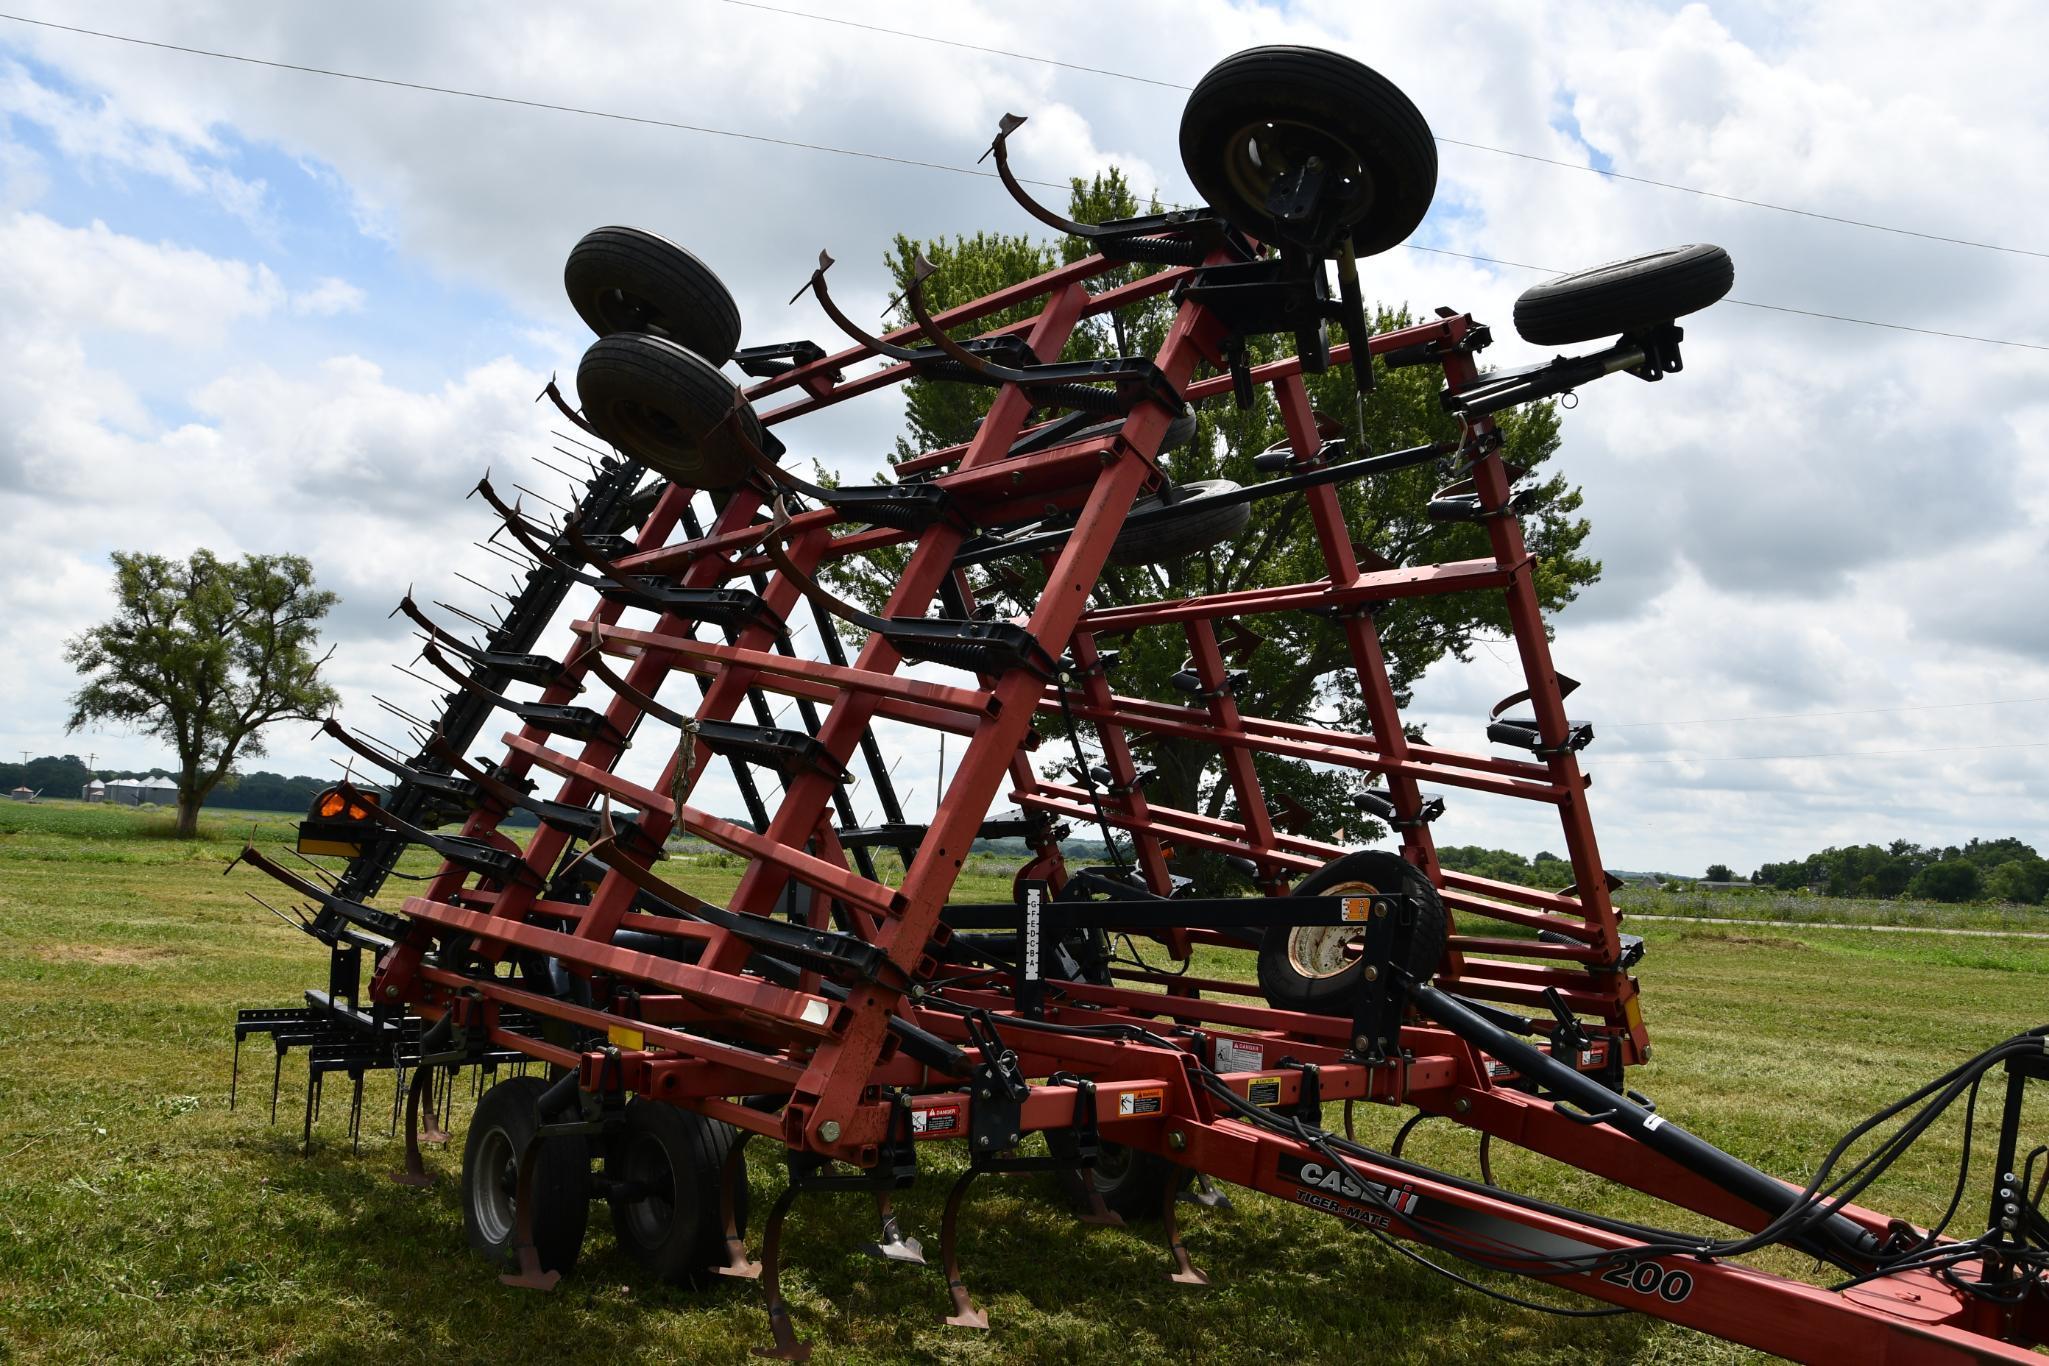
column 625, row 1038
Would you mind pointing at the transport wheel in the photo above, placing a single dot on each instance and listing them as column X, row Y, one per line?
column 1315, row 967
column 505, row 1119
column 670, row 1161
column 1623, row 296
column 627, row 280
column 1265, row 113
column 1196, row 523
column 1134, row 1183
column 665, row 406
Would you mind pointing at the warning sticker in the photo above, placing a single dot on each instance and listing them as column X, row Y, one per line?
column 935, row 1121
column 1264, row 1091
column 1358, row 909
column 1142, row 1102
column 632, row 1040
column 1240, row 1055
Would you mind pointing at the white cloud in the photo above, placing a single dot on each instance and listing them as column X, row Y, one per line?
column 330, row 296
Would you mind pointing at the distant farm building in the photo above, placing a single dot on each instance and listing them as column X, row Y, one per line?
column 136, row 791
column 94, row 791
column 22, row 794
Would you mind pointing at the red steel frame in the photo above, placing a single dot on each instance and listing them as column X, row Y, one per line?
column 831, row 1058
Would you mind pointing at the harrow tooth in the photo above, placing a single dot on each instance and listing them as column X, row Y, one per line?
column 965, row 1312
column 530, row 1275
column 1203, row 1193
column 1088, row 1201
column 892, row 1246
column 788, row 1346
column 732, row 1179
column 356, row 1114
column 1185, row 1271
column 415, row 1173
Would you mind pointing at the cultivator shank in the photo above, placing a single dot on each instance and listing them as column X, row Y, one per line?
column 852, row 1019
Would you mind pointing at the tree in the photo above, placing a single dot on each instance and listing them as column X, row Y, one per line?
column 2022, row 880
column 1950, row 879
column 1719, row 872
column 203, row 655
column 1385, row 514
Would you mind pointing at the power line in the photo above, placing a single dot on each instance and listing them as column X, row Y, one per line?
column 1450, row 142
column 1805, row 715
column 680, row 126
column 953, row 43
column 1774, row 308
column 514, row 100
column 1780, row 758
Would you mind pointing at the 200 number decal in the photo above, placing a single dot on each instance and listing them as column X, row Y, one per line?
column 1650, row 1278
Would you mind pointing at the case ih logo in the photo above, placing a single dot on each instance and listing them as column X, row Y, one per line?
column 1335, row 1191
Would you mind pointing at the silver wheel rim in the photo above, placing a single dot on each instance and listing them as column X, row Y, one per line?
column 1323, row 951
column 491, row 1193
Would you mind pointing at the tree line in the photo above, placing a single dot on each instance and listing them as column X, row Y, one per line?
column 1984, row 870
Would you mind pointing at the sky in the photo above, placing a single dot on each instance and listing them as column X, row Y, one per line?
column 263, row 310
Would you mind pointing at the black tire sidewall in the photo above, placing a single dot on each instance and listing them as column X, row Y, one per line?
column 630, row 370
column 1623, row 296
column 1191, row 529
column 1323, row 89
column 696, row 1148
column 1134, row 1183
column 694, row 307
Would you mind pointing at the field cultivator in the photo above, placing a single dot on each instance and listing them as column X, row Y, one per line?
column 636, row 1037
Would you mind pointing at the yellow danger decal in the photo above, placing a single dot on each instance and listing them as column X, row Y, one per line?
column 632, row 1040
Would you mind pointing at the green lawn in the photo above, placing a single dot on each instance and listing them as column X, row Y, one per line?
column 140, row 1219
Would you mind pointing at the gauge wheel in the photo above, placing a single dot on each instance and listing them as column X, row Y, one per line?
column 628, row 280
column 1264, row 113
column 667, row 407
column 1624, row 296
column 1316, row 967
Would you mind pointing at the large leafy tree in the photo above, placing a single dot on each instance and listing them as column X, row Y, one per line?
column 203, row 655
column 1302, row 669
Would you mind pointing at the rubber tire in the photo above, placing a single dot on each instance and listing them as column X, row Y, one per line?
column 1192, row 528
column 1624, row 296
column 1136, row 1189
column 648, row 396
column 627, row 280
column 510, row 1112
column 1344, row 100
column 690, row 1245
column 1286, row 987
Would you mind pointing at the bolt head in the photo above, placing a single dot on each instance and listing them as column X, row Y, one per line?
column 982, row 1142
column 1177, row 1140
column 1461, row 1106
column 391, row 992
column 830, row 1131
column 1360, row 1043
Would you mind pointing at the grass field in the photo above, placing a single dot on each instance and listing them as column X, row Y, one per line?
column 141, row 1220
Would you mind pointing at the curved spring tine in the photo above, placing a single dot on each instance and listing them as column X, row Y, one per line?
column 778, row 555
column 516, row 522
column 551, row 392
column 334, row 731
column 1005, row 126
column 592, row 658
column 846, row 324
column 914, row 295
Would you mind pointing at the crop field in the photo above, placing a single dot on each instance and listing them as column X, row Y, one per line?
column 140, row 1219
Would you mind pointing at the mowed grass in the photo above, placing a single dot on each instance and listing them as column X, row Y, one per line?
column 141, row 1220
